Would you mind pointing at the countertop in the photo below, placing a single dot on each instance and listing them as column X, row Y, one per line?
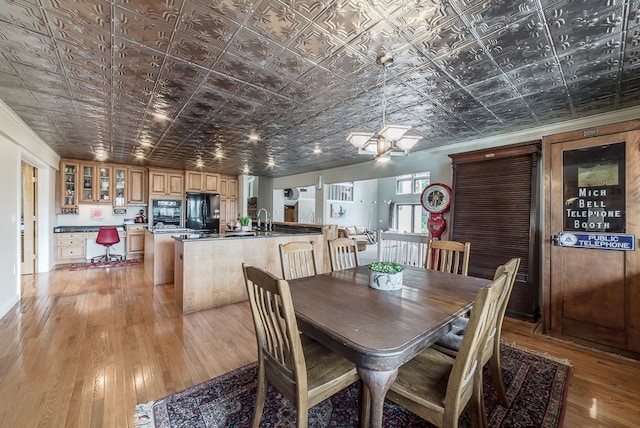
column 242, row 235
column 85, row 229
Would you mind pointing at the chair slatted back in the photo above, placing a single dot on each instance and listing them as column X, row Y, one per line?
column 510, row 269
column 279, row 344
column 343, row 253
column 448, row 256
column 405, row 248
column 467, row 370
column 298, row 259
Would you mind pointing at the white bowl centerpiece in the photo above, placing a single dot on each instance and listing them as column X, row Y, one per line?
column 385, row 275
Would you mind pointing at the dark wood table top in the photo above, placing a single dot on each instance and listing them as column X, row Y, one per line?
column 381, row 330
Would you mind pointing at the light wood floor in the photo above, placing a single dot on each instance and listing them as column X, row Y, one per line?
column 82, row 348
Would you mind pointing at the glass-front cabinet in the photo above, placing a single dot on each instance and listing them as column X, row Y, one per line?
column 69, row 185
column 120, row 187
column 104, row 191
column 87, row 180
column 96, row 183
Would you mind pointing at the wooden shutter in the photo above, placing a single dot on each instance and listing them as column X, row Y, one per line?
column 493, row 208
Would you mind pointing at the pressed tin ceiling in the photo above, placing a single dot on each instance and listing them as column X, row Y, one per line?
column 86, row 75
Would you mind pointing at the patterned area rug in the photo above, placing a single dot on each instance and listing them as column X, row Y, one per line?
column 536, row 388
column 121, row 263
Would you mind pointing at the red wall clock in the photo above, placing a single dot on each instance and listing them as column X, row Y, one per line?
column 436, row 198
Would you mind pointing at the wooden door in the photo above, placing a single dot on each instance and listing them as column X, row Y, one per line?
column 29, row 218
column 594, row 215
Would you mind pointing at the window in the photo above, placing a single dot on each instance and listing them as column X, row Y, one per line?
column 412, row 183
column 340, row 192
column 411, row 218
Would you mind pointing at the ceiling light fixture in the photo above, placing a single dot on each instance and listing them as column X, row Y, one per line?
column 390, row 140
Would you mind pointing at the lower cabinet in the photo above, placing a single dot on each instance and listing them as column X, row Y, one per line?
column 78, row 247
column 135, row 241
column 70, row 247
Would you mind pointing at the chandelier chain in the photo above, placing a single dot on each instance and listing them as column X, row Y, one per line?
column 384, row 95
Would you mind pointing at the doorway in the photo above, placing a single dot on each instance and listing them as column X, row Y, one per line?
column 594, row 211
column 29, row 218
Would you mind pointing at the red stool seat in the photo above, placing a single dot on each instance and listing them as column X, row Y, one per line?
column 107, row 236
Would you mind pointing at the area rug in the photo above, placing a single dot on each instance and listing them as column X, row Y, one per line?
column 121, row 263
column 536, row 389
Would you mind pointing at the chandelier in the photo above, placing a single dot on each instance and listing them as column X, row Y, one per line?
column 391, row 139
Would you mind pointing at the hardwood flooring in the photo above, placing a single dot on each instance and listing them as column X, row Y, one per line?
column 83, row 347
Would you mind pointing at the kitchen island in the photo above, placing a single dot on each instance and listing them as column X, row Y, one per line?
column 208, row 268
column 158, row 254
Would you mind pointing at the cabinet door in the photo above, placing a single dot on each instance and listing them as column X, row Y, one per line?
column 136, row 187
column 69, row 185
column 176, row 184
column 104, row 191
column 135, row 242
column 194, row 181
column 88, row 183
column 158, row 185
column 224, row 186
column 232, row 209
column 232, row 190
column 120, row 182
column 210, row 184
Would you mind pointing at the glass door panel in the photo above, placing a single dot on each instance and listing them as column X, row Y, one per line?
column 88, row 181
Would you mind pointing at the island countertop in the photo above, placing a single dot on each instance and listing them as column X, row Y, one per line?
column 208, row 269
column 195, row 236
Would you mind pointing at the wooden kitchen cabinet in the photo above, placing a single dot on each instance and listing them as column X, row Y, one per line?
column 70, row 247
column 135, row 240
column 95, row 183
column 120, row 181
column 166, row 183
column 228, row 211
column 137, row 186
column 229, row 186
column 228, row 199
column 69, row 184
column 202, row 182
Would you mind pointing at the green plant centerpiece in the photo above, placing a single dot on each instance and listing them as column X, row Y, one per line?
column 245, row 222
column 385, row 275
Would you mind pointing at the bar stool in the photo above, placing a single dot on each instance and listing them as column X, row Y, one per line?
column 107, row 236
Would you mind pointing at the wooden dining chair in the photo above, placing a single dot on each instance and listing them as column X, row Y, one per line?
column 298, row 259
column 450, row 343
column 448, row 256
column 303, row 370
column 436, row 386
column 343, row 253
column 404, row 248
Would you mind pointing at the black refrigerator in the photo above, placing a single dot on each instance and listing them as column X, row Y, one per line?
column 203, row 212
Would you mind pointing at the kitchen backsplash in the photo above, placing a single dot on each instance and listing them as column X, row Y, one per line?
column 95, row 215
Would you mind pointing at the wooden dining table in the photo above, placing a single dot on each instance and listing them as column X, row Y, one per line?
column 380, row 330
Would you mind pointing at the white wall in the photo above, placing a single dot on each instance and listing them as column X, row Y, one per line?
column 17, row 143
column 9, row 225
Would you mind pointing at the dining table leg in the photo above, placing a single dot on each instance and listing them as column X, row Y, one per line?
column 376, row 385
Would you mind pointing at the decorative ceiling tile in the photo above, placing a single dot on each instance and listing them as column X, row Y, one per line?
column 23, row 14
column 278, row 22
column 302, row 73
column 155, row 34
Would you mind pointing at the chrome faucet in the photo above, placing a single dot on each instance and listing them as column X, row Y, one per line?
column 267, row 221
